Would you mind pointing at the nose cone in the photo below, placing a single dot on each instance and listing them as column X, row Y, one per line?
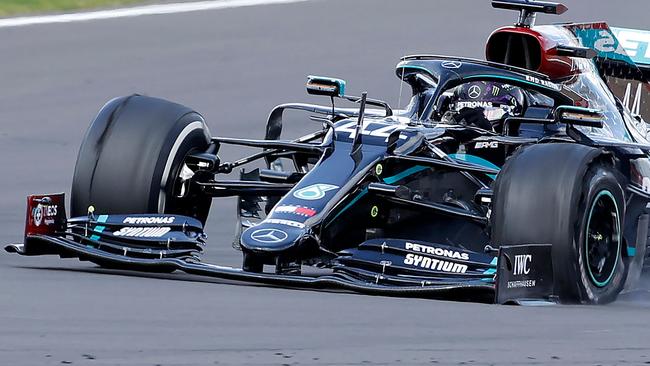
column 270, row 238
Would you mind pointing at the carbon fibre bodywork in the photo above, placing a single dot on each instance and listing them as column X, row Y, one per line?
column 389, row 202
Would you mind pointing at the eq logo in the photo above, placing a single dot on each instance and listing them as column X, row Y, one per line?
column 635, row 42
column 269, row 236
column 522, row 264
column 314, row 191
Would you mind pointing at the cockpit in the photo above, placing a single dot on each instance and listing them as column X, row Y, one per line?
column 488, row 104
column 491, row 96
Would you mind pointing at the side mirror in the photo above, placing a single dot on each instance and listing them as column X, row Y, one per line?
column 579, row 116
column 321, row 85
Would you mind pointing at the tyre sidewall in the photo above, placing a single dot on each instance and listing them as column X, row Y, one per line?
column 132, row 154
column 189, row 135
column 598, row 179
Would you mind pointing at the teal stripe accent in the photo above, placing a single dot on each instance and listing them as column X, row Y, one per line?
column 618, row 252
column 340, row 82
column 490, row 271
column 97, row 229
column 102, row 218
column 354, row 200
column 589, row 38
column 388, row 180
column 476, row 160
column 640, row 40
column 404, row 174
column 631, row 251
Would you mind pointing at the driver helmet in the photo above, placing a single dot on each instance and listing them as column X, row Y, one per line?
column 496, row 100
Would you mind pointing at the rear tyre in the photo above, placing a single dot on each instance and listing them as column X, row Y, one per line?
column 569, row 196
column 132, row 155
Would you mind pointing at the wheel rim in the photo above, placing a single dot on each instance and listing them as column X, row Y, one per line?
column 602, row 239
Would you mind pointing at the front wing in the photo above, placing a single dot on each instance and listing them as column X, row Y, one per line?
column 342, row 277
column 379, row 266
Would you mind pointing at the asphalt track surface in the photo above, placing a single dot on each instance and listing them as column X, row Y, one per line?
column 234, row 66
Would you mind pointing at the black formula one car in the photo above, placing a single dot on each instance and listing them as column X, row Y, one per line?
column 521, row 178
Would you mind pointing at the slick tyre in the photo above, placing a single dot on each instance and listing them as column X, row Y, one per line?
column 570, row 196
column 132, row 155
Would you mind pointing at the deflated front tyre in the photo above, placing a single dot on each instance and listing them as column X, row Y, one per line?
column 131, row 157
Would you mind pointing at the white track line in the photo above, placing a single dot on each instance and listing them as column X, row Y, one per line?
column 137, row 11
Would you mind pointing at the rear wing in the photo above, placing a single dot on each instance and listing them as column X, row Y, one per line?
column 636, row 44
column 634, row 92
column 623, row 59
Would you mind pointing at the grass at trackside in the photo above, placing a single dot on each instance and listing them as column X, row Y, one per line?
column 22, row 7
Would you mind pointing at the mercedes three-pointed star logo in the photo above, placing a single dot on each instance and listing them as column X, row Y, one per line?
column 269, row 235
column 452, row 64
column 474, row 91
